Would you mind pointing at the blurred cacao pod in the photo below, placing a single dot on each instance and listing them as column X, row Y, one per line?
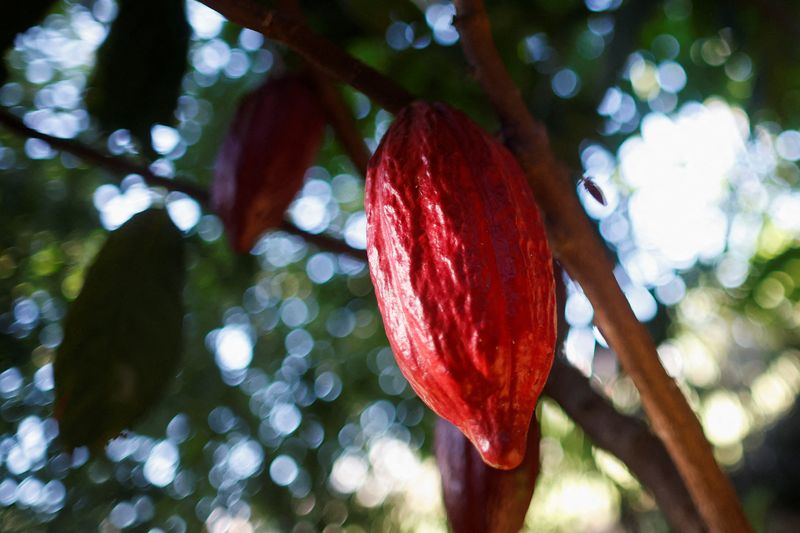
column 463, row 275
column 123, row 333
column 273, row 139
column 477, row 497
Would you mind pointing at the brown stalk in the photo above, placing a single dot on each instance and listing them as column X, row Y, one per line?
column 629, row 439
column 319, row 51
column 339, row 114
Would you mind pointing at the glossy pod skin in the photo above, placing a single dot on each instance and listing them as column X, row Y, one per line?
column 463, row 275
column 477, row 497
column 273, row 139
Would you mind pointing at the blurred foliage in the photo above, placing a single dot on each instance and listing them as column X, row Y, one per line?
column 288, row 412
column 137, row 78
column 18, row 17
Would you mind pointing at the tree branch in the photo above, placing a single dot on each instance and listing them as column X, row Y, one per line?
column 121, row 166
column 584, row 257
column 627, row 438
column 114, row 164
column 624, row 436
column 340, row 116
column 325, row 242
column 326, row 55
column 341, row 120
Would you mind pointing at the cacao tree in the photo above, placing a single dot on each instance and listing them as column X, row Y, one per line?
column 249, row 248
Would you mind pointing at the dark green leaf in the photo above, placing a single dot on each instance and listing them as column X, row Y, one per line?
column 123, row 334
column 137, row 78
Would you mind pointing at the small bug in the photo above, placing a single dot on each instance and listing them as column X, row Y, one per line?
column 592, row 188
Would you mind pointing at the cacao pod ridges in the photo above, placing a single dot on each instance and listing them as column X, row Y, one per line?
column 477, row 497
column 273, row 138
column 462, row 274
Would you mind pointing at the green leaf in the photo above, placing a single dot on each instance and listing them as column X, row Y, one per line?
column 123, row 334
column 18, row 17
column 137, row 78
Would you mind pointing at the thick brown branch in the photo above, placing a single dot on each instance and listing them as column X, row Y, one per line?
column 319, row 51
column 626, row 437
column 584, row 257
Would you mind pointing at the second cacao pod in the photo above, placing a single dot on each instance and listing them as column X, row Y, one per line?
column 477, row 497
column 272, row 140
column 463, row 275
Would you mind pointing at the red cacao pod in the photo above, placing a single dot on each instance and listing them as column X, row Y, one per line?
column 463, row 275
column 273, row 139
column 477, row 497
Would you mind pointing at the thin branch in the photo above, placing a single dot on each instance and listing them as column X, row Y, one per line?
column 624, row 436
column 341, row 120
column 584, row 257
column 629, row 439
column 325, row 242
column 114, row 164
column 121, row 166
column 319, row 51
column 340, row 116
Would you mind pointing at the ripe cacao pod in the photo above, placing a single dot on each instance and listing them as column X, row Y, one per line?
column 463, row 275
column 477, row 497
column 273, row 139
column 123, row 333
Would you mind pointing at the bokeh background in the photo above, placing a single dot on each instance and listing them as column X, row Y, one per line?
column 289, row 413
